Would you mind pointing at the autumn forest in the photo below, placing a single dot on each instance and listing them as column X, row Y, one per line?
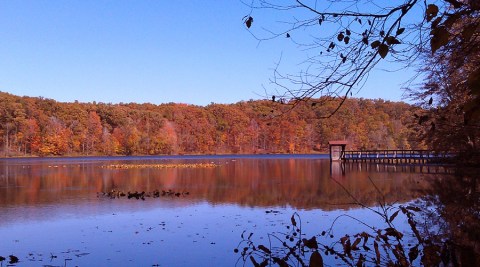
column 36, row 126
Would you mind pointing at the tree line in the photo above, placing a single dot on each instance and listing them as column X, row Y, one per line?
column 36, row 126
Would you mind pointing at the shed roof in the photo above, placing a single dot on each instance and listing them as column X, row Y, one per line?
column 338, row 142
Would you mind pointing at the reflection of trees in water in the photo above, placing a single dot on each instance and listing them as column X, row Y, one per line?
column 455, row 213
column 443, row 230
column 299, row 183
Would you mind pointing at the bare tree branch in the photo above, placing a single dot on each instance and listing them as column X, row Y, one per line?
column 343, row 41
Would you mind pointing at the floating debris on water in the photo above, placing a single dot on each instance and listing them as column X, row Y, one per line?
column 114, row 193
column 272, row 211
column 13, row 259
column 160, row 166
column 40, row 257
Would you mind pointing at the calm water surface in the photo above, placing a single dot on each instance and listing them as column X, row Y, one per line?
column 51, row 213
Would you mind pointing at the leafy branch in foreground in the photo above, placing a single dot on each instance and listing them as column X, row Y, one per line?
column 375, row 247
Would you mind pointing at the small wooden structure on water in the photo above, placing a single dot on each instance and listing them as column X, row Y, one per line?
column 337, row 149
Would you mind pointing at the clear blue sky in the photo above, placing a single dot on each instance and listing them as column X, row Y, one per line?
column 184, row 51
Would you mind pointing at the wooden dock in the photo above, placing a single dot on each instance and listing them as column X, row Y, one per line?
column 396, row 156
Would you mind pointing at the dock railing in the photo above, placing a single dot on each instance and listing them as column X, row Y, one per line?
column 396, row 156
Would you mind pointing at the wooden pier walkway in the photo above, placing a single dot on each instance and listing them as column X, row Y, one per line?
column 396, row 156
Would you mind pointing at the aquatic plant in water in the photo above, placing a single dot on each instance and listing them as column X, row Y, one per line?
column 160, row 166
column 115, row 193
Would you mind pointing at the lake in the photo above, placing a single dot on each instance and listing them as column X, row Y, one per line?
column 53, row 211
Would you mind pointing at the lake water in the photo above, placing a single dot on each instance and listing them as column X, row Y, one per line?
column 52, row 212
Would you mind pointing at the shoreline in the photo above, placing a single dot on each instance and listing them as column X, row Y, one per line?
column 169, row 156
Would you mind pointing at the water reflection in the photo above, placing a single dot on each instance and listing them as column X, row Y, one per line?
column 339, row 168
column 300, row 183
column 50, row 206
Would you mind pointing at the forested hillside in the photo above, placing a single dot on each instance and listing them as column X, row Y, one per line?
column 44, row 127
